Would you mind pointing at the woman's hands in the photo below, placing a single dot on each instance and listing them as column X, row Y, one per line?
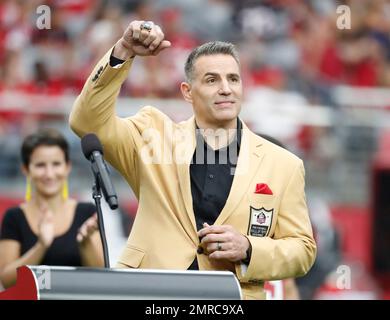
column 46, row 226
column 87, row 229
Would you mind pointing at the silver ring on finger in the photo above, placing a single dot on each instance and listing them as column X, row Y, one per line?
column 147, row 25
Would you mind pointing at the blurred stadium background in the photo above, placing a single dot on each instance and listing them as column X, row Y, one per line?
column 323, row 91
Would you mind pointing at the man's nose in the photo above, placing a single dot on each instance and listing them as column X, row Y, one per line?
column 225, row 88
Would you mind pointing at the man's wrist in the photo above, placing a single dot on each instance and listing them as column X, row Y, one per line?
column 115, row 61
column 121, row 51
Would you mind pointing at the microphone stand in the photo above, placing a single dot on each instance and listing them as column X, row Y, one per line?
column 97, row 195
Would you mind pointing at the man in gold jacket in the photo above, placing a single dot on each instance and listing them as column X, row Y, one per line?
column 246, row 214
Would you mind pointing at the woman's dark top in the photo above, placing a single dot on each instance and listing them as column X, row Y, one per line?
column 63, row 251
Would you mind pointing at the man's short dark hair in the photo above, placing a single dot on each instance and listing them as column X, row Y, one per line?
column 207, row 49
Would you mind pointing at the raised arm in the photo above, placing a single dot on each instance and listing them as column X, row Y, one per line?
column 94, row 109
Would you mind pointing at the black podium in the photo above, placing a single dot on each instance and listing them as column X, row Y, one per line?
column 64, row 283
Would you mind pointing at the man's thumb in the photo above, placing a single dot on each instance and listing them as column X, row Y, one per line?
column 166, row 44
column 163, row 45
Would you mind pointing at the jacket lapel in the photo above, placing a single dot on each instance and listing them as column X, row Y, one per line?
column 184, row 150
column 248, row 163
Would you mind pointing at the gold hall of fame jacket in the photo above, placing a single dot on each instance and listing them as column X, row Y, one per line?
column 164, row 234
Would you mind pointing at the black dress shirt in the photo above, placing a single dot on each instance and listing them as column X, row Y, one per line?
column 212, row 173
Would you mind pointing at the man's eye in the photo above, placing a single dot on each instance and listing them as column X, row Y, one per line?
column 211, row 80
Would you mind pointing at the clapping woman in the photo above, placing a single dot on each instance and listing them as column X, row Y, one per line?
column 49, row 228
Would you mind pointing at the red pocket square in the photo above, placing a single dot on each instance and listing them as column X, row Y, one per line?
column 262, row 188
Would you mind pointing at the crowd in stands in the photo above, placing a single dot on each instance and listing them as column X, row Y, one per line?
column 292, row 44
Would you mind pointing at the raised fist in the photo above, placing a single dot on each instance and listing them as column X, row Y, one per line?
column 142, row 38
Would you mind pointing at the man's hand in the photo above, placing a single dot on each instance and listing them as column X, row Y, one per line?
column 224, row 242
column 140, row 42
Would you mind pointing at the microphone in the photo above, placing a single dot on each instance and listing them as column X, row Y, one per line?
column 93, row 151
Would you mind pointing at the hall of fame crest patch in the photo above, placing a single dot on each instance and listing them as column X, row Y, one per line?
column 260, row 221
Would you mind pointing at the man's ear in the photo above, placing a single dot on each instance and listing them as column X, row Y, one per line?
column 185, row 88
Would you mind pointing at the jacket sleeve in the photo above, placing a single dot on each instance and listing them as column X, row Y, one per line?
column 94, row 112
column 292, row 250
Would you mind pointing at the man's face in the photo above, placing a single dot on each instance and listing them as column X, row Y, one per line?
column 215, row 91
